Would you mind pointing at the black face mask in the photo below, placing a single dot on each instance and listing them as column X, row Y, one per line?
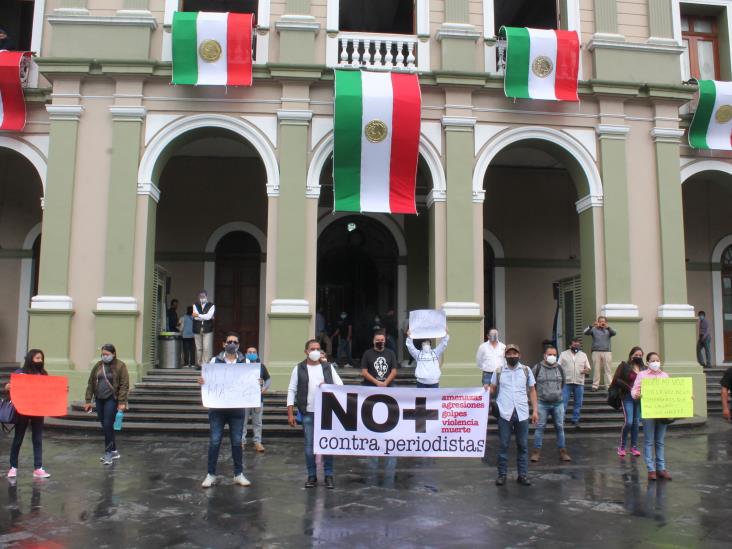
column 512, row 360
column 379, row 346
column 575, row 349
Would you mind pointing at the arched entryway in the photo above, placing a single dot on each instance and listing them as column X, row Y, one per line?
column 539, row 179
column 21, row 192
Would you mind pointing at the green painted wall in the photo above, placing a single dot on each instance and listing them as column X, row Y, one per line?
column 102, row 41
column 630, row 65
column 606, row 16
column 587, row 265
column 297, row 47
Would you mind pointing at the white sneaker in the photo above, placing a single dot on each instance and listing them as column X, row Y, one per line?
column 106, row 459
column 116, row 454
column 209, row 481
column 241, row 480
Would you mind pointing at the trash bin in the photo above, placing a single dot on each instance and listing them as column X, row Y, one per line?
column 169, row 349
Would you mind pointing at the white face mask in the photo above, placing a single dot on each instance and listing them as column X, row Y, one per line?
column 426, row 347
column 655, row 365
column 493, row 337
column 551, row 359
column 314, row 356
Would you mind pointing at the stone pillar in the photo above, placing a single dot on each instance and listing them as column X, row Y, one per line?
column 463, row 266
column 73, row 6
column 292, row 229
column 437, row 248
column 148, row 196
column 117, row 310
column 458, row 38
column 297, row 28
column 606, row 17
column 676, row 319
column 589, row 210
column 622, row 314
column 52, row 309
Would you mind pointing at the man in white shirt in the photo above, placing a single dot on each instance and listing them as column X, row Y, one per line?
column 490, row 356
column 304, row 382
column 203, row 327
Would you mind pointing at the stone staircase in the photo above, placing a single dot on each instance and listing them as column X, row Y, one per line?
column 169, row 401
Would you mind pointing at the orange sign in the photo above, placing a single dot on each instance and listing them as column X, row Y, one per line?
column 34, row 395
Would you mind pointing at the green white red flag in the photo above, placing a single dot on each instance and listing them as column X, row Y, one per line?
column 711, row 127
column 376, row 141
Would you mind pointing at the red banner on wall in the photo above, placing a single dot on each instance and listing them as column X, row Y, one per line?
column 14, row 67
column 34, row 395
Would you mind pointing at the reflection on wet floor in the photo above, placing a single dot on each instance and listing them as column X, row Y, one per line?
column 152, row 498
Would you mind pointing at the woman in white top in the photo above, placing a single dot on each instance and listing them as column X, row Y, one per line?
column 428, row 369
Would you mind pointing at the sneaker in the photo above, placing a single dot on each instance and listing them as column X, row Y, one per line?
column 209, row 481
column 241, row 480
column 635, row 452
column 329, row 483
column 12, row 472
column 311, row 482
column 535, row 453
column 524, row 481
column 106, row 459
column 116, row 454
column 258, row 447
column 621, row 452
column 40, row 473
column 564, row 455
column 501, row 480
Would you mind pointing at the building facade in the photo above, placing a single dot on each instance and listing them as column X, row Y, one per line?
column 125, row 191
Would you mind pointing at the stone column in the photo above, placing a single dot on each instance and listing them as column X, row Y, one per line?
column 676, row 319
column 458, row 38
column 117, row 310
column 148, row 196
column 293, row 231
column 463, row 265
column 622, row 314
column 297, row 28
column 52, row 309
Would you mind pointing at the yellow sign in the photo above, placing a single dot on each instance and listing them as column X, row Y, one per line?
column 669, row 397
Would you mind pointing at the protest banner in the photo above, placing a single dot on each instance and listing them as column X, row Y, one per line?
column 427, row 323
column 373, row 421
column 669, row 397
column 39, row 395
column 231, row 385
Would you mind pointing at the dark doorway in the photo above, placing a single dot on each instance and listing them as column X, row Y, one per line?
column 16, row 19
column 357, row 273
column 36, row 266
column 380, row 16
column 536, row 14
column 489, row 270
column 238, row 260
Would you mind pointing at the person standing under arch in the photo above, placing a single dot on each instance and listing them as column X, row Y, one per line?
column 602, row 355
column 203, row 326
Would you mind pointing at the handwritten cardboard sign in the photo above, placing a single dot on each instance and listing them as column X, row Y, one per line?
column 427, row 323
column 34, row 395
column 231, row 385
column 669, row 397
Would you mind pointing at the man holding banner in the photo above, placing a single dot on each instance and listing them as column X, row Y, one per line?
column 306, row 377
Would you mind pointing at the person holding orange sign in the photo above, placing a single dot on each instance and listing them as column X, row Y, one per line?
column 32, row 365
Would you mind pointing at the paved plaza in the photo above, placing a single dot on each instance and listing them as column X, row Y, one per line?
column 152, row 498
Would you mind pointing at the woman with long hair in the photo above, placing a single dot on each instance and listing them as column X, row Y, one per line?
column 624, row 379
column 32, row 365
column 109, row 385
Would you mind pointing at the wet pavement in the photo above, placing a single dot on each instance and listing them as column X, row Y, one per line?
column 152, row 498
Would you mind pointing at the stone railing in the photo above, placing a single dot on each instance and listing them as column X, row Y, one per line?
column 377, row 51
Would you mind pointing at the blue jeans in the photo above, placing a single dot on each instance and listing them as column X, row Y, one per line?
column 218, row 418
column 308, row 428
column 521, row 430
column 654, row 434
column 631, row 411
column 486, row 378
column 21, row 425
column 577, row 392
column 427, row 385
column 556, row 409
column 106, row 412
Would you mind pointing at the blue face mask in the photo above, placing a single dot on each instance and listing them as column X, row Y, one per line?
column 252, row 356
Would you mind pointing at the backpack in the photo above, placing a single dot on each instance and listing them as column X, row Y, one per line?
column 8, row 415
column 494, row 411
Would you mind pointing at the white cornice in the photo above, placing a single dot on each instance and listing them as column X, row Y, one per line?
column 297, row 23
column 303, row 116
column 461, row 31
column 620, row 310
column 150, row 189
column 290, row 306
column 134, row 114
column 52, row 303
column 667, row 135
column 612, row 131
column 676, row 311
column 435, row 195
column 117, row 304
column 71, row 18
column 457, row 309
column 458, row 121
column 64, row 112
column 478, row 197
column 587, row 202
column 605, row 42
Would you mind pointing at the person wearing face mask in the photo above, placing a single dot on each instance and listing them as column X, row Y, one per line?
column 428, row 369
column 306, row 377
column 32, row 365
column 654, row 430
column 265, row 381
column 624, row 379
column 576, row 366
column 218, row 418
column 512, row 387
column 490, row 356
column 379, row 364
column 109, row 385
column 344, row 333
column 602, row 356
column 549, row 390
column 704, row 343
column 203, row 327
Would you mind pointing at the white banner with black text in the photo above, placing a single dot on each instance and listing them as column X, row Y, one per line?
column 400, row 422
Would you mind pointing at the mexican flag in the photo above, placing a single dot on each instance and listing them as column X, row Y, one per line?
column 376, row 141
column 711, row 127
column 541, row 64
column 212, row 48
column 14, row 66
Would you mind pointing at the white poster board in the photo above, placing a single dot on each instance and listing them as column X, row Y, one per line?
column 427, row 323
column 399, row 422
column 231, row 385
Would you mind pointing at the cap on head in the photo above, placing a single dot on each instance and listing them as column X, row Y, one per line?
column 514, row 347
